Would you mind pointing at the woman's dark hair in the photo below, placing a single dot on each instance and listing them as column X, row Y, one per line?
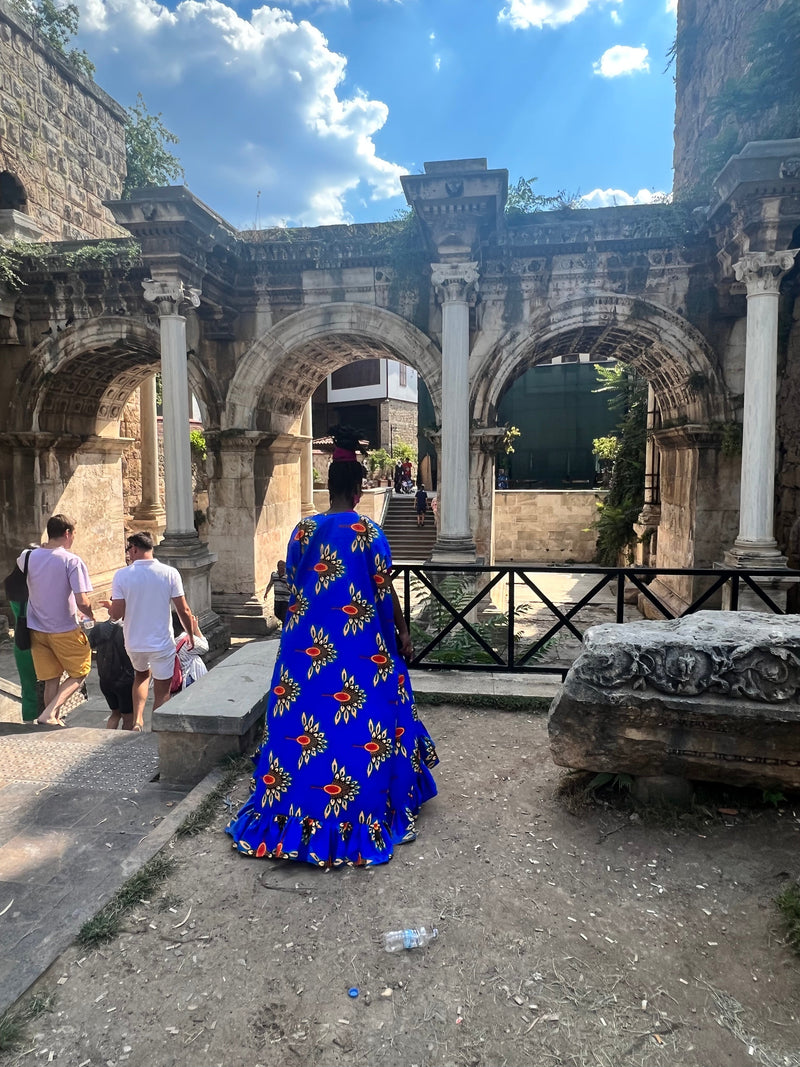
column 345, row 475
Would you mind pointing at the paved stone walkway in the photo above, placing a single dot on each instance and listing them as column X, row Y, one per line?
column 80, row 811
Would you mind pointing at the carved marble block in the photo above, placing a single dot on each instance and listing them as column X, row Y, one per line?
column 714, row 696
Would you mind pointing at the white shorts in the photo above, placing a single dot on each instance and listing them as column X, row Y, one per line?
column 162, row 664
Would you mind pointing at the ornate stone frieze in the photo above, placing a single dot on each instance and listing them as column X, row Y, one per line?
column 455, row 281
column 761, row 272
column 169, row 296
column 735, row 654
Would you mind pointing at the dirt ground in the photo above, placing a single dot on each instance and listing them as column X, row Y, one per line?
column 588, row 939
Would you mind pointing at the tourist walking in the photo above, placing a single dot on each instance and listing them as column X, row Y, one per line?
column 280, row 587
column 344, row 767
column 420, row 504
column 58, row 582
column 16, row 590
column 143, row 595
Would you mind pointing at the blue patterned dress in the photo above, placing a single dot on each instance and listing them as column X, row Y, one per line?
column 344, row 765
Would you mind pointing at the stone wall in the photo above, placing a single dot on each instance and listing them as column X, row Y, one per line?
column 712, row 40
column 61, row 136
column 402, row 418
column 543, row 525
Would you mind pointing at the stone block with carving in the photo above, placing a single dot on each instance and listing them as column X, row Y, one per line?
column 714, row 696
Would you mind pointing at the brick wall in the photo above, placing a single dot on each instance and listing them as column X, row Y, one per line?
column 61, row 136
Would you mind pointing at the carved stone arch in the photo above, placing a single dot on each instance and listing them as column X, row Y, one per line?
column 278, row 373
column 664, row 347
column 79, row 380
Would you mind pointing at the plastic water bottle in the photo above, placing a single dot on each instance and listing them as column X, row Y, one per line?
column 418, row 937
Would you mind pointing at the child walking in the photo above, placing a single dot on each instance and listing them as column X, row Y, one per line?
column 114, row 672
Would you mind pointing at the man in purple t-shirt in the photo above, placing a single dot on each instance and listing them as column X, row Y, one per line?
column 58, row 582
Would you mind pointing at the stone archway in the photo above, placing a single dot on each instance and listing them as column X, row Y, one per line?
column 64, row 440
column 281, row 369
column 664, row 347
column 698, row 481
column 255, row 491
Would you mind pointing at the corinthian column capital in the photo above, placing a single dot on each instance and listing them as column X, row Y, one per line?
column 762, row 271
column 455, row 282
column 168, row 296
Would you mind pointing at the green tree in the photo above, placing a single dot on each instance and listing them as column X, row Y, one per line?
column 523, row 200
column 58, row 24
column 150, row 162
column 619, row 512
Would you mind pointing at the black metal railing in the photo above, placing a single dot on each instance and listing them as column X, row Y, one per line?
column 503, row 619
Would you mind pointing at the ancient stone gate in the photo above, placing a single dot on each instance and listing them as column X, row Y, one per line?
column 701, row 303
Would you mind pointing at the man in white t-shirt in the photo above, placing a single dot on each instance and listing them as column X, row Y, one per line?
column 58, row 582
column 143, row 595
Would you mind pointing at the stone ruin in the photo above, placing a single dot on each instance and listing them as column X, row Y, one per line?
column 712, row 696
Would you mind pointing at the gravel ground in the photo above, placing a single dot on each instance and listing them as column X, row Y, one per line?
column 567, row 939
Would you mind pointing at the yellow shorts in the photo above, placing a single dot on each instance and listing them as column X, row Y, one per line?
column 53, row 654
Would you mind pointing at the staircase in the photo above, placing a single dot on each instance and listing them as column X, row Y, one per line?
column 409, row 543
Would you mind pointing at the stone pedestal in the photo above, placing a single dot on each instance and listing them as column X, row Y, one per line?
column 713, row 696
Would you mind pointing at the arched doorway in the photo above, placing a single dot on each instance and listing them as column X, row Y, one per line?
column 67, row 440
column 255, row 487
column 697, row 480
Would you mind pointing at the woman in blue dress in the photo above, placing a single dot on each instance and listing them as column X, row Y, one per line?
column 344, row 766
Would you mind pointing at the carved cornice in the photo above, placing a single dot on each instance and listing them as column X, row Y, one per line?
column 455, row 282
column 761, row 272
column 691, row 435
column 168, row 296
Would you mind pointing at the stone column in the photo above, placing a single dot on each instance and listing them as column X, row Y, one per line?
column 150, row 510
column 761, row 272
column 307, row 463
column 455, row 285
column 168, row 296
column 181, row 547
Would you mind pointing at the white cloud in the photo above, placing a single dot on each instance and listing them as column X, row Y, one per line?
column 622, row 59
column 266, row 93
column 672, row 7
column 524, row 14
column 619, row 198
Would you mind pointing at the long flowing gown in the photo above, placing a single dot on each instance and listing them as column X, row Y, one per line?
column 344, row 766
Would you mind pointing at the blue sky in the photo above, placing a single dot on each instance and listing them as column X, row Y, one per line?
column 322, row 104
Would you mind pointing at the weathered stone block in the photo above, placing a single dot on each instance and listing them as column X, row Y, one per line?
column 713, row 696
column 217, row 715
